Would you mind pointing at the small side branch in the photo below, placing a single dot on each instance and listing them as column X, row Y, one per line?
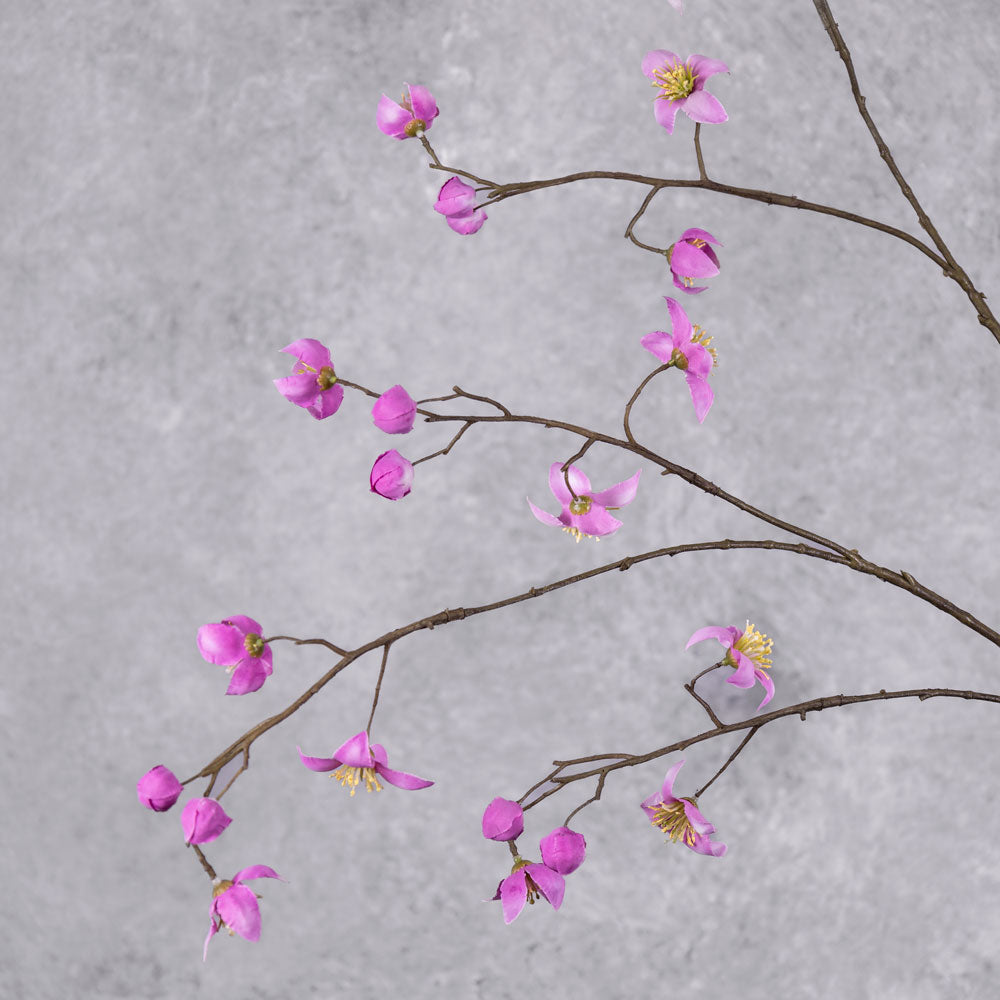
column 746, row 739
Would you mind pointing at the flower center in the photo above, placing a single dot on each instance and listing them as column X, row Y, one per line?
column 678, row 360
column 412, row 128
column 325, row 378
column 219, row 886
column 672, row 820
column 580, row 506
column 351, row 777
column 533, row 891
column 253, row 644
column 676, row 81
column 755, row 645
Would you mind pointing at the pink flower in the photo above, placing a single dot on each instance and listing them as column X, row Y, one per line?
column 563, row 850
column 159, row 789
column 586, row 513
column 503, row 820
column 748, row 651
column 203, row 821
column 680, row 819
column 312, row 384
column 391, row 475
column 394, row 411
column 457, row 202
column 525, row 883
column 236, row 644
column 687, row 349
column 681, row 87
column 414, row 114
column 354, row 762
column 234, row 906
column 691, row 257
column 678, row 5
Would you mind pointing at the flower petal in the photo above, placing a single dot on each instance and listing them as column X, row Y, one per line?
column 597, row 522
column 503, row 819
column 726, row 634
column 697, row 820
column 544, row 516
column 551, row 884
column 702, row 845
column 468, row 222
column 327, row 402
column 221, row 644
column 158, row 789
column 203, row 820
column 392, row 118
column 249, row 676
column 691, row 261
column 513, row 895
column 680, row 324
column 401, row 779
column 310, row 353
column 699, row 361
column 668, row 783
column 700, row 234
column 239, row 911
column 355, row 752
column 657, row 58
column 701, row 395
column 703, row 67
column 298, row 389
column 659, row 344
column 424, row 106
column 563, row 850
column 666, row 111
column 701, row 106
column 765, row 679
column 743, row 678
column 557, row 483
column 319, row 763
column 256, row 871
column 212, row 931
column 620, row 494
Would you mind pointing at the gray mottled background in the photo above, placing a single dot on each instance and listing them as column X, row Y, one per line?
column 188, row 186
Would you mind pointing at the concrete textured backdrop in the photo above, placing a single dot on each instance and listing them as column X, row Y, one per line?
column 187, row 187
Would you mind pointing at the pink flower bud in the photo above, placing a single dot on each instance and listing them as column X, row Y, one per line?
column 394, row 411
column 457, row 203
column 203, row 821
column 159, row 789
column 391, row 475
column 563, row 850
column 503, row 820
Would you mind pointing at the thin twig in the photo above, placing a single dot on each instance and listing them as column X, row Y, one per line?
column 702, row 173
column 746, row 739
column 444, row 451
column 635, row 396
column 689, row 687
column 210, row 871
column 593, row 798
column 378, row 686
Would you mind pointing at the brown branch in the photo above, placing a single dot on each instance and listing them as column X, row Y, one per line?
column 689, row 687
column 635, row 396
column 378, row 687
column 746, row 739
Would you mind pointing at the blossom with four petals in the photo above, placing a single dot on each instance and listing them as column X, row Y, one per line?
column 234, row 905
column 313, row 384
column 407, row 118
column 525, row 883
column 680, row 819
column 355, row 761
column 457, row 203
column 584, row 512
column 682, row 87
column 747, row 650
column 691, row 257
column 686, row 348
column 158, row 789
column 236, row 644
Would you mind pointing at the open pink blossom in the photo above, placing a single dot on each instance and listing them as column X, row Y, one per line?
column 681, row 87
column 503, row 820
column 313, row 384
column 413, row 114
column 234, row 905
column 394, row 411
column 236, row 644
column 391, row 475
column 747, row 650
column 686, row 348
column 158, row 789
column 355, row 761
column 563, row 850
column 586, row 513
column 525, row 883
column 457, row 203
column 203, row 821
column 691, row 257
column 680, row 819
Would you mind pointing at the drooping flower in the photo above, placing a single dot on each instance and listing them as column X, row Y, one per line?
column 686, row 348
column 681, row 87
column 525, row 883
column 234, row 905
column 203, row 821
column 394, row 411
column 355, row 761
column 503, row 820
column 563, row 850
column 391, row 475
column 747, row 650
column 413, row 114
column 584, row 512
column 158, row 789
column 313, row 384
column 680, row 819
column 691, row 257
column 457, row 203
column 236, row 644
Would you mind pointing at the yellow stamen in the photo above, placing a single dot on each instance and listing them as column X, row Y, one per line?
column 578, row 534
column 672, row 820
column 350, row 777
column 699, row 336
column 754, row 645
column 675, row 81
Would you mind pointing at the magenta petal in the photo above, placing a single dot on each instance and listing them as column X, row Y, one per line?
column 743, row 678
column 657, row 58
column 668, row 783
column 395, row 411
column 702, row 845
column 203, row 820
column 680, row 324
column 765, row 679
column 563, row 850
column 503, row 819
column 513, row 895
column 620, row 494
column 424, row 106
column 158, row 789
column 551, row 884
column 256, row 871
column 248, row 677
column 649, row 804
column 701, row 106
column 699, row 361
column 221, row 644
column 700, row 234
column 597, row 522
column 557, row 482
column 319, row 763
column 704, row 67
column 659, row 344
column 298, row 389
column 701, row 395
column 309, row 353
column 401, row 779
column 544, row 516
column 392, row 118
column 665, row 112
column 326, row 402
column 467, row 223
column 212, row 931
column 692, row 261
column 687, row 288
column 391, row 476
column 455, row 197
column 244, row 623
column 724, row 633
column 697, row 820
column 239, row 911
column 355, row 752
